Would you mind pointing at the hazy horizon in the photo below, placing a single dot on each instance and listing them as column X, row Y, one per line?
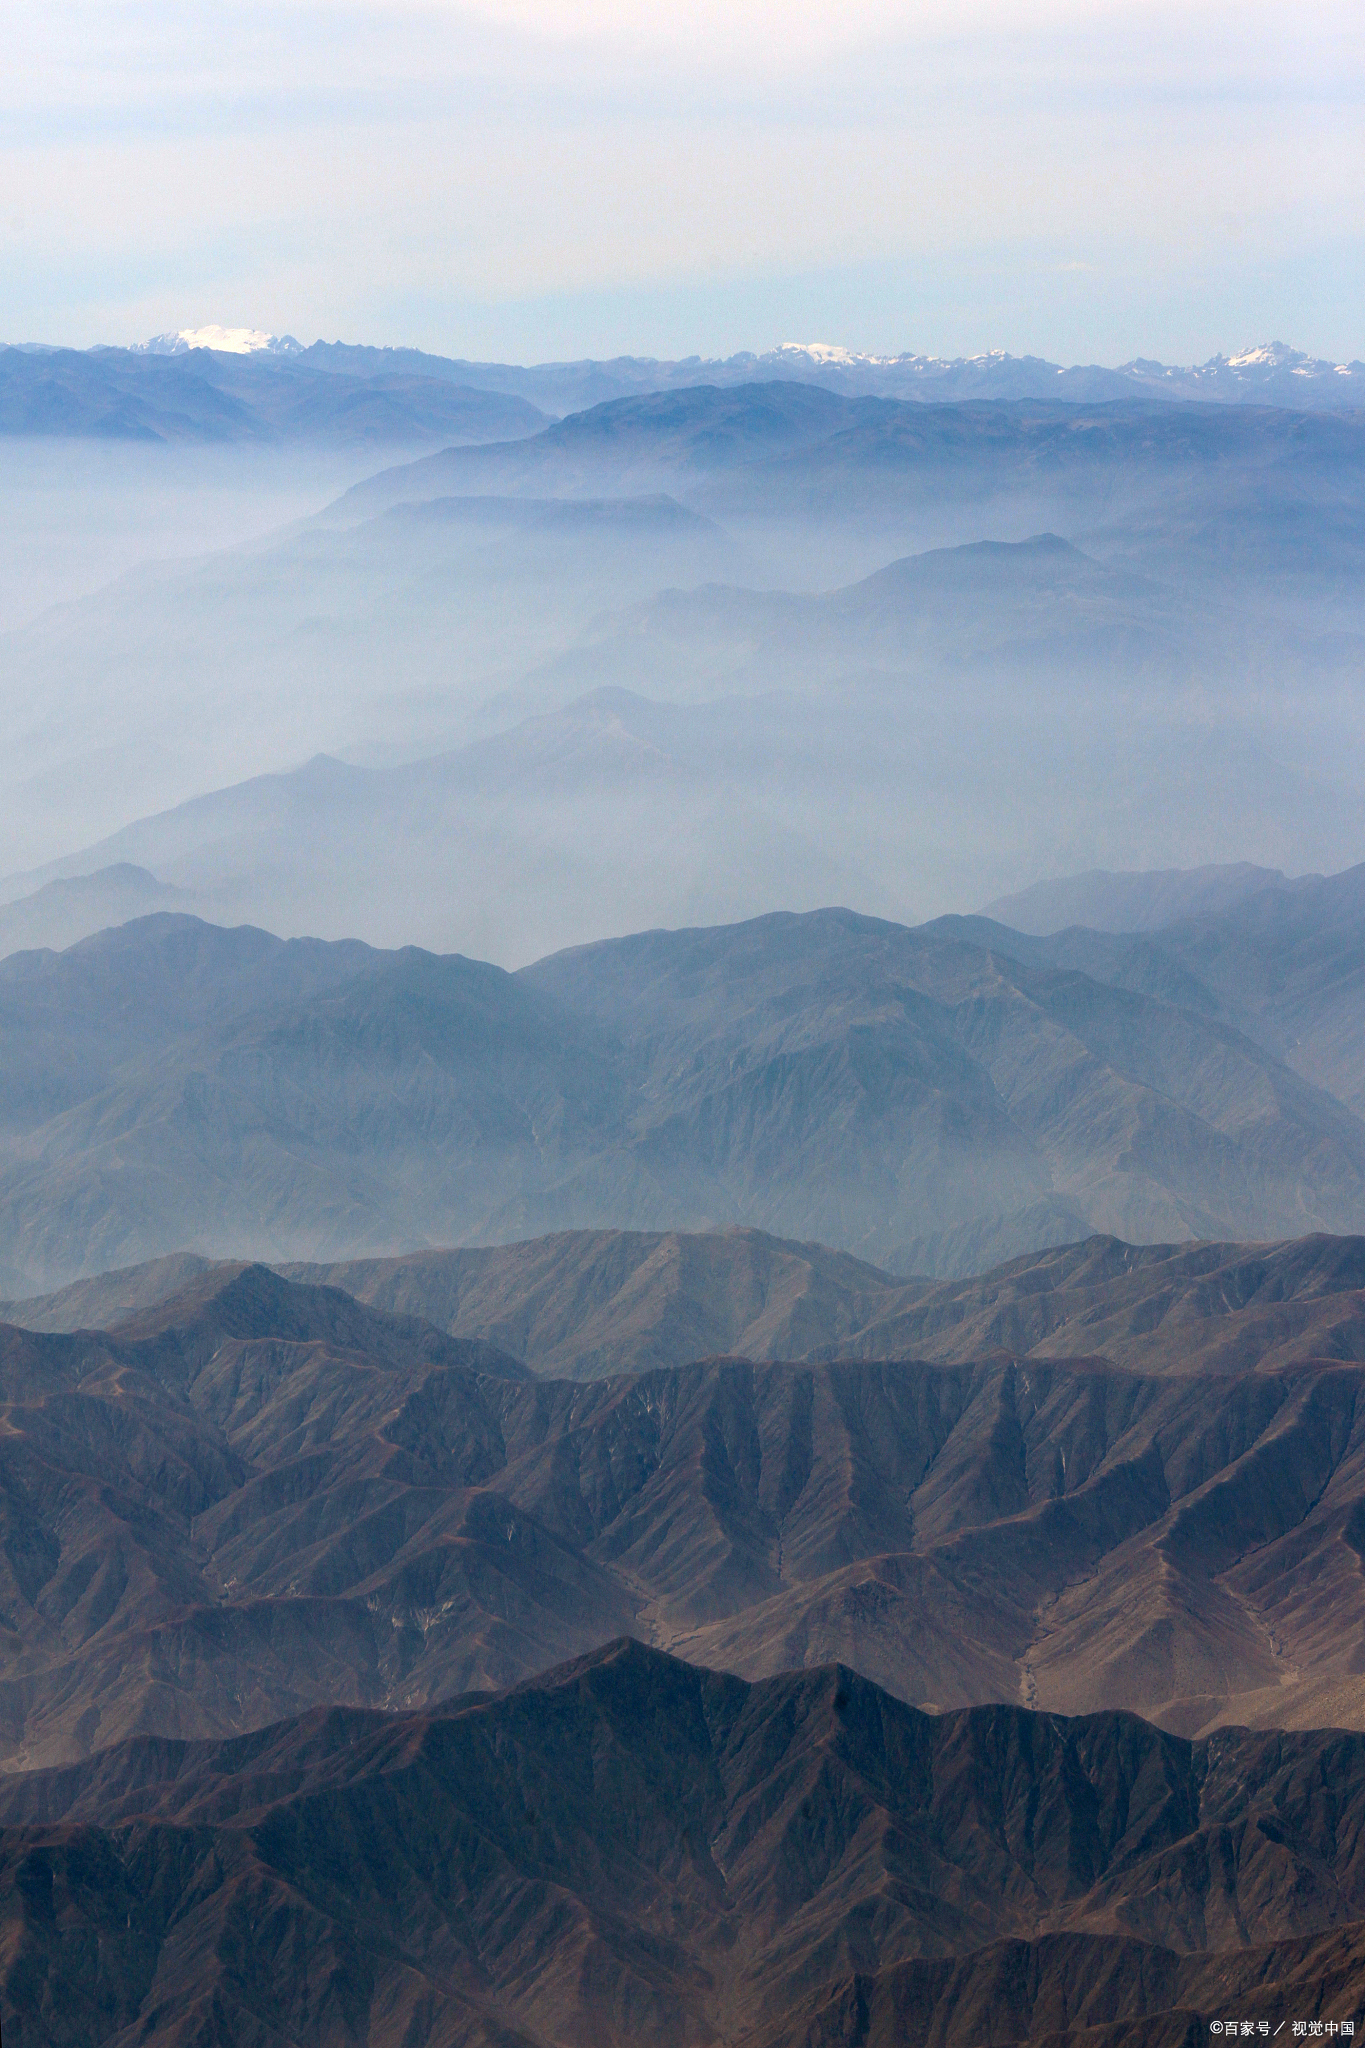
column 549, row 181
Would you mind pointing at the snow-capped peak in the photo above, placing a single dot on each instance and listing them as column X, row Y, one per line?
column 820, row 352
column 228, row 341
column 1271, row 355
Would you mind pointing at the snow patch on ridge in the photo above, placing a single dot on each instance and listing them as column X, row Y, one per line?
column 228, row 341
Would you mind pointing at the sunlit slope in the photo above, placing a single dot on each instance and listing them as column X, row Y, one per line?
column 258, row 1497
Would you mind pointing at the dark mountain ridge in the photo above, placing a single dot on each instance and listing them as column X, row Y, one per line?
column 632, row 1849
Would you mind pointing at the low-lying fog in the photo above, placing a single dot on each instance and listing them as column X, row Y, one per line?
column 655, row 666
column 78, row 514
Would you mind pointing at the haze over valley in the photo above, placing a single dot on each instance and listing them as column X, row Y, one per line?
column 701, row 652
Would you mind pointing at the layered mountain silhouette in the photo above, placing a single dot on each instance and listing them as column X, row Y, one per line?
column 1143, row 900
column 583, row 1304
column 1189, row 487
column 1284, row 961
column 273, row 654
column 918, row 613
column 631, row 1850
column 203, row 395
column 62, row 912
column 917, row 1097
column 261, row 1496
column 776, row 1479
column 178, row 385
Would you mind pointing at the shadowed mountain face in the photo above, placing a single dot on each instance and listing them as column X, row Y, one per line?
column 634, row 1850
column 259, row 1496
column 912, row 1096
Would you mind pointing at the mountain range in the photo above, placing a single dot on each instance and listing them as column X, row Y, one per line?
column 260, row 1495
column 714, row 649
column 583, row 1304
column 630, row 1849
column 933, row 1099
column 215, row 396
column 584, row 1459
column 587, row 1303
column 214, row 382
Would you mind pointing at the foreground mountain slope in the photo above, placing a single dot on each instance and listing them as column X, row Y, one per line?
column 259, row 1496
column 630, row 1849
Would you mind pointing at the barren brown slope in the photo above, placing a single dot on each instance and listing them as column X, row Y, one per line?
column 632, row 1849
column 228, row 1512
column 1201, row 1307
column 584, row 1303
column 581, row 1304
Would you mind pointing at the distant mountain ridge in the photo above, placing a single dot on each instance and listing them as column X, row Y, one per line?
column 223, row 396
column 1279, row 959
column 1142, row 900
column 694, row 750
column 1271, row 374
column 585, row 1304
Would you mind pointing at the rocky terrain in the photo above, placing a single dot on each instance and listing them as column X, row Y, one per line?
column 260, row 1496
column 580, row 1304
column 633, row 1849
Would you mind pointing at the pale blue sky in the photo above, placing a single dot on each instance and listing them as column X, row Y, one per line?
column 544, row 178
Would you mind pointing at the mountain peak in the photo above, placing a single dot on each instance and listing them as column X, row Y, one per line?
column 227, row 341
